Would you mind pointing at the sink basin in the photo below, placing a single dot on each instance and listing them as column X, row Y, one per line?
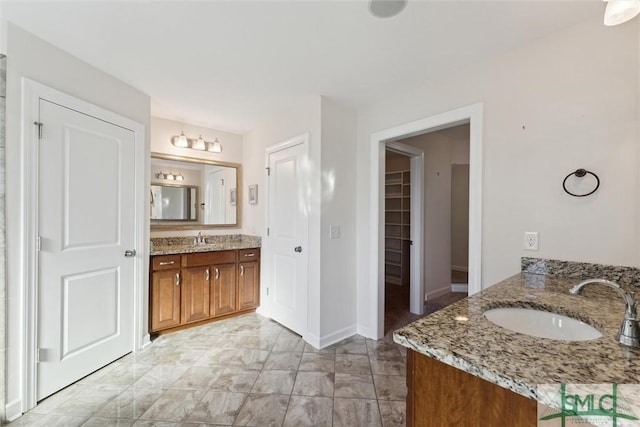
column 542, row 324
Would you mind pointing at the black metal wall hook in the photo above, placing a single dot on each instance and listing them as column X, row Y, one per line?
column 580, row 173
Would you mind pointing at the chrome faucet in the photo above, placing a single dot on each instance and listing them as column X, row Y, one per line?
column 200, row 240
column 629, row 332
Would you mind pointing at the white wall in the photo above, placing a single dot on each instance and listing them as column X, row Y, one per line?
column 441, row 150
column 565, row 101
column 332, row 277
column 304, row 119
column 460, row 217
column 338, row 300
column 31, row 57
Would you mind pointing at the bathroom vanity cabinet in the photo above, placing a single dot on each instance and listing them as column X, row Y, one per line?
column 193, row 288
column 441, row 395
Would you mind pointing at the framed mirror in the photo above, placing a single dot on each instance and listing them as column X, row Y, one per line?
column 191, row 193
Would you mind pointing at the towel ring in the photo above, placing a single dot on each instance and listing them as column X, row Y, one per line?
column 581, row 173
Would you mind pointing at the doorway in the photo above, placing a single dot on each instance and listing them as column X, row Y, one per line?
column 445, row 225
column 473, row 116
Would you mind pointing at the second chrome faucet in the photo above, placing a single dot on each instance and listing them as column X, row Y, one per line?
column 629, row 332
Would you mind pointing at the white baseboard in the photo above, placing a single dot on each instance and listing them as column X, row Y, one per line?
column 327, row 340
column 146, row 340
column 460, row 287
column 438, row 292
column 460, row 268
column 365, row 332
column 13, row 410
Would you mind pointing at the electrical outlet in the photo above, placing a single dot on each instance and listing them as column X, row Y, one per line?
column 530, row 241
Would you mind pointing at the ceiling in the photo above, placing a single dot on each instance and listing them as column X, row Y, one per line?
column 231, row 65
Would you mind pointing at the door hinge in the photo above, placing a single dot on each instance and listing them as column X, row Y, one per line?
column 267, row 291
column 39, row 129
column 267, row 231
column 37, row 355
column 268, row 171
column 39, row 244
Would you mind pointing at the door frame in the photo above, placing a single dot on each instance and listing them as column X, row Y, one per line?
column 265, row 301
column 472, row 114
column 416, row 273
column 32, row 92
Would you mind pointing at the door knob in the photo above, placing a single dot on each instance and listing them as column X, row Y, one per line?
column 130, row 253
column 298, row 249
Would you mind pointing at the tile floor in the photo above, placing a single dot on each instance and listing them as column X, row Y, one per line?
column 246, row 371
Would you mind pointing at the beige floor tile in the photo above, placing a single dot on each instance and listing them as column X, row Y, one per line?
column 324, row 362
column 386, row 365
column 355, row 386
column 309, row 411
column 314, row 384
column 108, row 422
column 393, row 413
column 235, row 380
column 390, row 387
column 174, row 405
column 217, row 407
column 198, row 377
column 287, row 360
column 47, row 420
column 356, row 413
column 274, row 382
column 131, row 403
column 263, row 410
column 353, row 364
column 243, row 371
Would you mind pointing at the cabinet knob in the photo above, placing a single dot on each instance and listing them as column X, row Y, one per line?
column 298, row 249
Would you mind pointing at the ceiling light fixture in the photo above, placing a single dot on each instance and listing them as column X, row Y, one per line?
column 620, row 11
column 386, row 8
column 199, row 144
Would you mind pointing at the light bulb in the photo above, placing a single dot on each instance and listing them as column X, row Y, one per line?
column 199, row 144
column 181, row 141
column 620, row 11
column 216, row 147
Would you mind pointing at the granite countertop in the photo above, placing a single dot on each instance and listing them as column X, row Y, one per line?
column 185, row 245
column 520, row 362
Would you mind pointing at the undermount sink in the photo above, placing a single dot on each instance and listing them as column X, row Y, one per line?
column 542, row 324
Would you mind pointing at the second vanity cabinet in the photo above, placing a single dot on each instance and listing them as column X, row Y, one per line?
column 195, row 287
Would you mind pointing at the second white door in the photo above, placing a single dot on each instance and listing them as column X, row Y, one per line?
column 288, row 235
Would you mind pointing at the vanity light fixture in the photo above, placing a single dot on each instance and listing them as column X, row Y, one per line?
column 170, row 176
column 620, row 11
column 199, row 144
column 180, row 141
column 215, row 147
column 179, row 177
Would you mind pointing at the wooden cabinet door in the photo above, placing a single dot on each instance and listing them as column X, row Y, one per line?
column 223, row 286
column 195, row 294
column 165, row 299
column 249, row 285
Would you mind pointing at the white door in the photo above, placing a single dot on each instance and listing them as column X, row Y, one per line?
column 214, row 205
column 288, row 231
column 86, row 222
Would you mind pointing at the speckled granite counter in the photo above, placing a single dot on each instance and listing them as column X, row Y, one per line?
column 185, row 245
column 520, row 362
